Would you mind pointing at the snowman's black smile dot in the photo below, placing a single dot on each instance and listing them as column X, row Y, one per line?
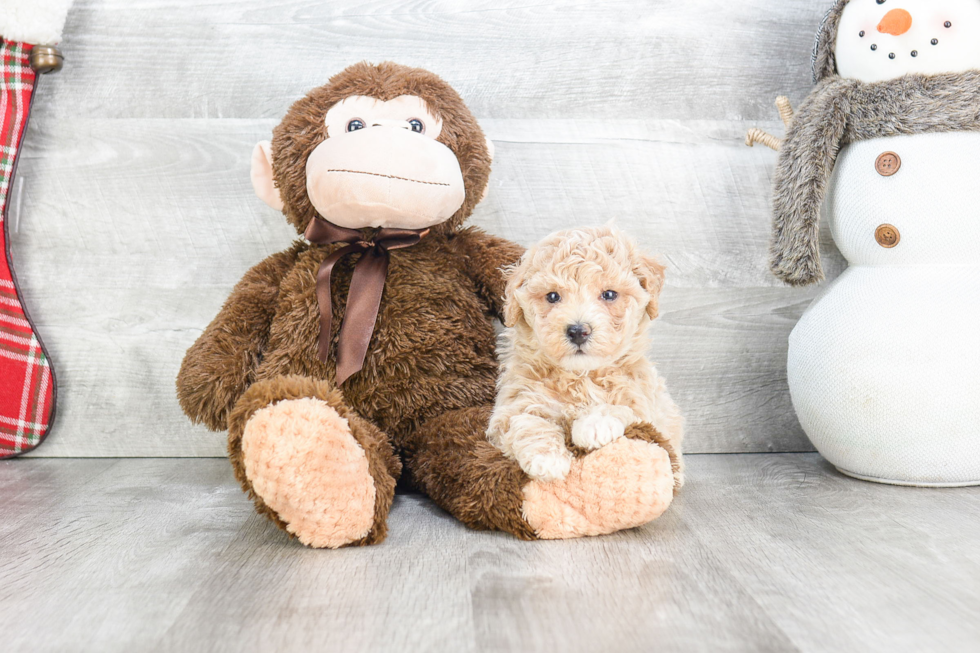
column 874, row 47
column 861, row 34
column 915, row 53
column 891, row 56
column 935, row 41
column 947, row 24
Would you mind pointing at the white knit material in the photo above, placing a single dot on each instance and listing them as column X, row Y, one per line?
column 934, row 200
column 957, row 47
column 33, row 21
column 884, row 367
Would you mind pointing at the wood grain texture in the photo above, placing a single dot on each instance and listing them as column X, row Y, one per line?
column 135, row 216
column 758, row 553
column 696, row 59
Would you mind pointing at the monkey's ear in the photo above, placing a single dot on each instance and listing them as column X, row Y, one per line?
column 262, row 179
column 490, row 148
column 515, row 275
column 651, row 275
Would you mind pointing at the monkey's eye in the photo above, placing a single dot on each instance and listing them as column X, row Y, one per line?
column 553, row 297
column 355, row 124
column 417, row 125
column 609, row 295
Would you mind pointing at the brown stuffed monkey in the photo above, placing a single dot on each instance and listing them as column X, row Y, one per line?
column 370, row 344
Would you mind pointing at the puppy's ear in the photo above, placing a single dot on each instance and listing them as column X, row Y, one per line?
column 651, row 275
column 515, row 275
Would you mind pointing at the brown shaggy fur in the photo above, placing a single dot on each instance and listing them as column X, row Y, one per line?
column 428, row 381
column 452, row 461
column 303, row 129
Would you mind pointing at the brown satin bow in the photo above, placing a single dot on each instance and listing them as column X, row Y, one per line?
column 366, row 285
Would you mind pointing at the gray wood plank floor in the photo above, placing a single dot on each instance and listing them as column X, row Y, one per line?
column 759, row 553
column 134, row 214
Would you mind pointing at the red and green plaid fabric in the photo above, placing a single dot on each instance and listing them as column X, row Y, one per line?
column 26, row 381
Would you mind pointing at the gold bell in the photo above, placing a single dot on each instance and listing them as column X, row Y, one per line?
column 46, row 59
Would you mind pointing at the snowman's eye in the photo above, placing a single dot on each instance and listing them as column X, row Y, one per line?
column 891, row 55
column 915, row 53
column 874, row 47
column 947, row 24
column 861, row 34
column 881, row 2
column 935, row 41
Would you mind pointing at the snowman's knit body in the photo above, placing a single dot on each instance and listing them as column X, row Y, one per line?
column 884, row 366
column 887, row 358
column 933, row 201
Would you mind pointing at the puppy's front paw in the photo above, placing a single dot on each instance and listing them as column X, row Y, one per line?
column 595, row 430
column 548, row 466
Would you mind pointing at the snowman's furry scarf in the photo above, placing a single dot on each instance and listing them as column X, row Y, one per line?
column 840, row 111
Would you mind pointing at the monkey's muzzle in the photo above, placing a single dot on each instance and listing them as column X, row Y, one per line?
column 384, row 176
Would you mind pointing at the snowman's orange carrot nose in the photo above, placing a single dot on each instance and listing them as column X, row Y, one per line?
column 895, row 22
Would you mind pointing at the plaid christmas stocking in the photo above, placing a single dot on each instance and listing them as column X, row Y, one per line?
column 27, row 388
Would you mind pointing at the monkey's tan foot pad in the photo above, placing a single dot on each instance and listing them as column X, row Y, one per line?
column 302, row 460
column 622, row 485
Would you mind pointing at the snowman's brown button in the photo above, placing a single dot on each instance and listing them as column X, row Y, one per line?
column 888, row 164
column 887, row 236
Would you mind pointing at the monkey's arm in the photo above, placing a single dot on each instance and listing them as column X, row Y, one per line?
column 485, row 257
column 220, row 365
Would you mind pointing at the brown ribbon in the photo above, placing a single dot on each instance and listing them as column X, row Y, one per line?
column 366, row 285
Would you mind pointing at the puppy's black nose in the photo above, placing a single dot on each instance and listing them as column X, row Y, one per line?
column 578, row 333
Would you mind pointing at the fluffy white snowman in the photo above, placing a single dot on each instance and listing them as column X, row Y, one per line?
column 884, row 366
column 877, row 41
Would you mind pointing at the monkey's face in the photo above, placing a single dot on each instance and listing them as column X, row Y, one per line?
column 380, row 145
column 879, row 40
column 381, row 166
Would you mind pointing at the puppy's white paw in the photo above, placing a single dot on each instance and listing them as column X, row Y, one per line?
column 548, row 466
column 595, row 430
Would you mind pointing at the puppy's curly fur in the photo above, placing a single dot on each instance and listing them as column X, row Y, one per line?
column 558, row 393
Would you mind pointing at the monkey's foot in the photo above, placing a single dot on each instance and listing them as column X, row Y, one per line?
column 623, row 485
column 305, row 464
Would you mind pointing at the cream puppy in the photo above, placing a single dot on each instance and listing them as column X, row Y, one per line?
column 574, row 354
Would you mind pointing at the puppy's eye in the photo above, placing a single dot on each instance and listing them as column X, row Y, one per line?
column 417, row 126
column 355, row 124
column 609, row 295
column 553, row 297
